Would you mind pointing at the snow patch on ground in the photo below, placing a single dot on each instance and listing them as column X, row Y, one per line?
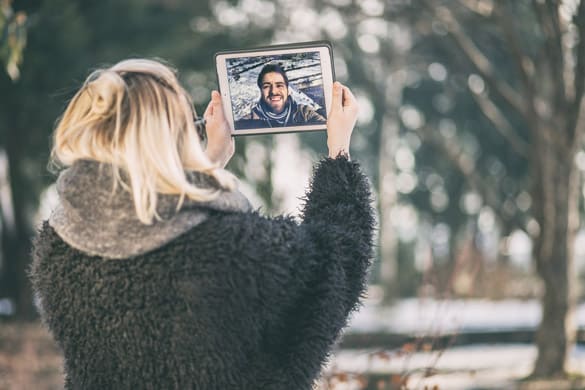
column 460, row 368
column 479, row 366
column 431, row 316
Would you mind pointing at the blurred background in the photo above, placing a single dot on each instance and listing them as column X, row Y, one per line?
column 471, row 130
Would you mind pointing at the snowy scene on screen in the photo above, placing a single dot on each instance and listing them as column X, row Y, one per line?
column 290, row 91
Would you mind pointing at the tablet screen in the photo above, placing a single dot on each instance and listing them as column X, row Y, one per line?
column 276, row 91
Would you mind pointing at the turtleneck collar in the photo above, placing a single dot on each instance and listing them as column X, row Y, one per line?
column 93, row 219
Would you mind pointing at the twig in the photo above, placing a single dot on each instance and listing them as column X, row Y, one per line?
column 503, row 12
column 479, row 61
column 474, row 180
column 501, row 124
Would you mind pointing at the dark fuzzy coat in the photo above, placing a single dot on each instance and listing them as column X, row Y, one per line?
column 241, row 301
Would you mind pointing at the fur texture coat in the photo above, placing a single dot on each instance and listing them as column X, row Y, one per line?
column 239, row 301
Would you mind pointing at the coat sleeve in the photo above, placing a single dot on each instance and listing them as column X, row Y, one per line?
column 316, row 271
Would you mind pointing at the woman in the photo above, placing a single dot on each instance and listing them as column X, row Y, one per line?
column 154, row 273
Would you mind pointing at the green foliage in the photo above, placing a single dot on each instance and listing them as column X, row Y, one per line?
column 12, row 38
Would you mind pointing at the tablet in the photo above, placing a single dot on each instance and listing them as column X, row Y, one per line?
column 276, row 89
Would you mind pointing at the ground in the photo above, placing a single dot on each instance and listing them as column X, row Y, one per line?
column 29, row 359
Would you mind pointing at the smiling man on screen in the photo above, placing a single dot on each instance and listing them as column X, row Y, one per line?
column 276, row 106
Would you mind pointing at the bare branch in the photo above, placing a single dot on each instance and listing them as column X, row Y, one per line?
column 481, row 8
column 478, row 183
column 480, row 62
column 524, row 63
column 575, row 110
column 548, row 15
column 557, row 43
column 501, row 124
column 579, row 128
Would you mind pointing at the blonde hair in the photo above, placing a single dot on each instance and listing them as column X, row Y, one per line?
column 136, row 117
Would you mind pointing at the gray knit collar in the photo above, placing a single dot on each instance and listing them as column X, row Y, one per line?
column 89, row 218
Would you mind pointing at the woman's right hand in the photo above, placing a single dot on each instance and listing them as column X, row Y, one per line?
column 341, row 120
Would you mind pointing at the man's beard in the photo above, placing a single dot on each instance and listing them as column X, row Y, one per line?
column 282, row 118
column 271, row 107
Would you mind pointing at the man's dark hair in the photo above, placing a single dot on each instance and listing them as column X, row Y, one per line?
column 269, row 68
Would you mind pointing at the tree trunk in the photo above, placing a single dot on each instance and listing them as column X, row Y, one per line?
column 15, row 247
column 388, row 196
column 556, row 209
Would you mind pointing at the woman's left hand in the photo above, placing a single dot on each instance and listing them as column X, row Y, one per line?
column 220, row 143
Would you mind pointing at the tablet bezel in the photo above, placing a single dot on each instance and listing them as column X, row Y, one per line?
column 327, row 72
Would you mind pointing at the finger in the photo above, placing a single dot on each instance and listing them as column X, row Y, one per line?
column 337, row 98
column 214, row 107
column 348, row 97
column 216, row 99
column 209, row 110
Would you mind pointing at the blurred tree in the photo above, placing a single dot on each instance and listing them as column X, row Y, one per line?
column 12, row 43
column 524, row 71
